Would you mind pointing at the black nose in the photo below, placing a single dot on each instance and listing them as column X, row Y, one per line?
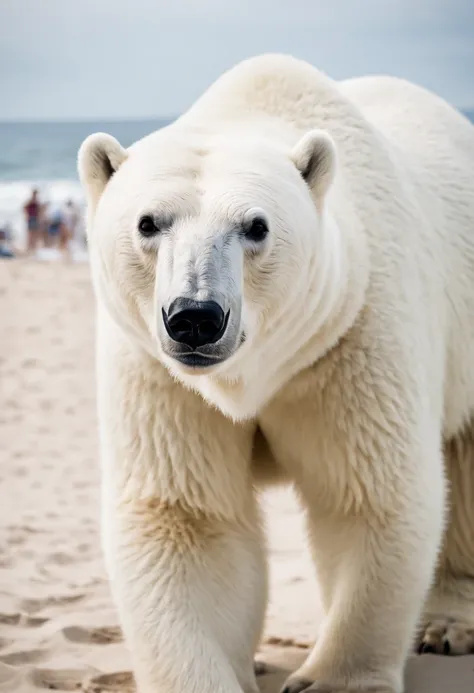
column 195, row 323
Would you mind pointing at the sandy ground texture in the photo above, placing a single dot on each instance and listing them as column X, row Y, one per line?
column 58, row 627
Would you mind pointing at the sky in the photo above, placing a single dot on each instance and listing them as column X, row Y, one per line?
column 99, row 59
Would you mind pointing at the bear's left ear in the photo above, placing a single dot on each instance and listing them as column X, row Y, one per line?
column 315, row 158
column 99, row 157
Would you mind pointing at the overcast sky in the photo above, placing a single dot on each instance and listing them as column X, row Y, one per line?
column 137, row 58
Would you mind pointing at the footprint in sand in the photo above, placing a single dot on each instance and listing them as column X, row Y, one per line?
column 34, row 621
column 96, row 636
column 22, row 657
column 22, row 620
column 120, row 682
column 21, row 471
column 58, row 679
column 83, row 548
column 31, row 606
column 61, row 558
column 10, row 619
column 16, row 540
column 30, row 363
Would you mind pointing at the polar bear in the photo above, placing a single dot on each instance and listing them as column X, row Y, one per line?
column 285, row 290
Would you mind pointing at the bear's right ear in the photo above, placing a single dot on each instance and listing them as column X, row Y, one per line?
column 99, row 157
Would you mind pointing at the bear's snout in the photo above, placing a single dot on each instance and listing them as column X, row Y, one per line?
column 195, row 323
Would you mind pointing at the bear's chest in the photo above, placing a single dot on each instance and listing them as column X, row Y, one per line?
column 313, row 426
column 294, row 433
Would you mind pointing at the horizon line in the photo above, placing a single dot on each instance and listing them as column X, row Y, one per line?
column 127, row 119
column 86, row 119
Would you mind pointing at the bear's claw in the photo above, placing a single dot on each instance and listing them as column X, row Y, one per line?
column 447, row 637
column 296, row 685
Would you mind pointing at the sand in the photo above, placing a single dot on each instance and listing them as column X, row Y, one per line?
column 58, row 627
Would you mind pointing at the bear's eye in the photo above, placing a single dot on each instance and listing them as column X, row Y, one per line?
column 257, row 230
column 147, row 227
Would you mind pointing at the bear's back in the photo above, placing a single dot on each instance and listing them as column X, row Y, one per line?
column 427, row 130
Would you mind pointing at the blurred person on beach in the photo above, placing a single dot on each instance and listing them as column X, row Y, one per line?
column 32, row 210
column 71, row 221
column 6, row 249
column 44, row 223
column 54, row 223
column 58, row 230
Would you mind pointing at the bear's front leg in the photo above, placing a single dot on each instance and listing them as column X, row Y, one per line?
column 181, row 530
column 190, row 590
column 375, row 553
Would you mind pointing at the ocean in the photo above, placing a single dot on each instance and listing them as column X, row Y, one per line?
column 44, row 155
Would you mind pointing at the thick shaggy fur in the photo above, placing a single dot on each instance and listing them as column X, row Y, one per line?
column 354, row 378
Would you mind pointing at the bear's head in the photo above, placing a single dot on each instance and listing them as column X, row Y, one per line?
column 215, row 253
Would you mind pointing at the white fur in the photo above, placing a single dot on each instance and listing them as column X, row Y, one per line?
column 355, row 376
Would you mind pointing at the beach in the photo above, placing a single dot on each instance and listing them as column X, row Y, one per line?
column 58, row 626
